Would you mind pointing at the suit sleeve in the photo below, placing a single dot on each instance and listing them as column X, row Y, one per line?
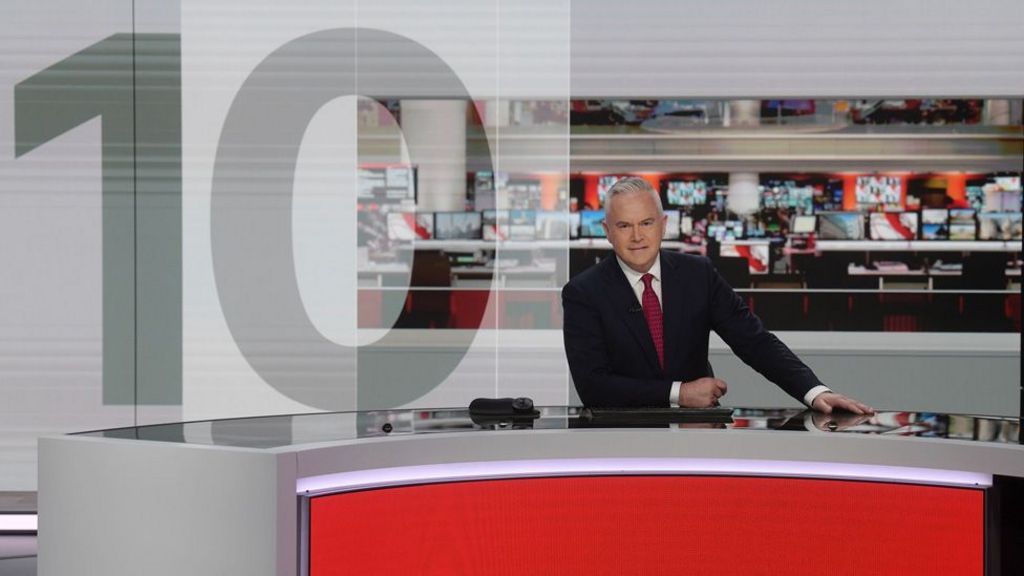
column 586, row 349
column 758, row 348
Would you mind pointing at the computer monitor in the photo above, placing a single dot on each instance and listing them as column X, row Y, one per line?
column 804, row 224
column 458, row 225
column 841, row 226
column 999, row 226
column 495, row 225
column 590, row 224
column 408, row 226
column 893, row 225
column 683, row 193
column 672, row 225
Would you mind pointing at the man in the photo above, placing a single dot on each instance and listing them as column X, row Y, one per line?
column 636, row 326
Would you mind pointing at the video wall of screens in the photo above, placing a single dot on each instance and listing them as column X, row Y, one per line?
column 387, row 184
column 682, row 193
column 874, row 192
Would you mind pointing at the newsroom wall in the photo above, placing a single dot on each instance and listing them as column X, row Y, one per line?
column 150, row 272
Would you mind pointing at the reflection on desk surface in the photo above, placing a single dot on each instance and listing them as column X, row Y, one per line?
column 280, row 431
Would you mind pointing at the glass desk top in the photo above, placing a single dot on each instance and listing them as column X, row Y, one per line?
column 268, row 432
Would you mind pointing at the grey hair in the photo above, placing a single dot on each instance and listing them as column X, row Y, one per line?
column 631, row 185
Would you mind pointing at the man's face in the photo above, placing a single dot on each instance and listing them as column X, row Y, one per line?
column 635, row 226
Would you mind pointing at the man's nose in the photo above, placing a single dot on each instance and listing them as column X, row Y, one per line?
column 636, row 234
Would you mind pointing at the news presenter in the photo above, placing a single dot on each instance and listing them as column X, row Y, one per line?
column 636, row 325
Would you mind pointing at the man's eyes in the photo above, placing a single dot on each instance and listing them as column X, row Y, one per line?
column 645, row 224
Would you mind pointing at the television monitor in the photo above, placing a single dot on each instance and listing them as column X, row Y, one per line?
column 999, row 226
column 893, row 225
column 458, row 225
column 841, row 226
column 725, row 230
column 934, row 224
column 553, row 225
column 574, row 225
column 682, row 193
column 886, row 191
column 388, row 184
column 756, row 255
column 590, row 224
column 671, row 225
column 408, row 226
column 604, row 183
column 803, row 224
column 686, row 225
column 522, row 224
column 495, row 225
column 1000, row 194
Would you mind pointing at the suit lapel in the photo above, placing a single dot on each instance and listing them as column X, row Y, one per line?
column 672, row 295
column 620, row 291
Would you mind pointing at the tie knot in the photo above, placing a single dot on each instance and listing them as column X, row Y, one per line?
column 647, row 279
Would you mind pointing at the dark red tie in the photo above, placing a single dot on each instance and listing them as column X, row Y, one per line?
column 652, row 313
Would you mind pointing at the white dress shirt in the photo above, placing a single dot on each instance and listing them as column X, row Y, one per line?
column 636, row 282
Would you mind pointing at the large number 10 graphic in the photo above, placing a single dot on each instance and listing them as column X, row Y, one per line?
column 133, row 83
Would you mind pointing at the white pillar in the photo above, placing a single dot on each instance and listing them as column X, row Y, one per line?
column 743, row 113
column 743, row 196
column 435, row 133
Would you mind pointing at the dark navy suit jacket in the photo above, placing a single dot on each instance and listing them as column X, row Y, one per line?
column 610, row 351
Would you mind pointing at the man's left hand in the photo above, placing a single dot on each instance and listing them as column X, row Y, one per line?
column 829, row 401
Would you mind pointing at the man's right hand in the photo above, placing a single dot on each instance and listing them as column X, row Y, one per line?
column 702, row 392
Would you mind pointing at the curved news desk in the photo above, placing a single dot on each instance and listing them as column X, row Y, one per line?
column 432, row 492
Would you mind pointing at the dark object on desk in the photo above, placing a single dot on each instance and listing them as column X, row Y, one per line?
column 503, row 407
column 657, row 416
column 502, row 413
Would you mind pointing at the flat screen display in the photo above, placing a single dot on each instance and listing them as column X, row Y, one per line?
column 409, row 226
column 574, row 224
column 999, row 226
column 934, row 224
column 458, row 225
column 604, row 183
column 522, row 224
column 804, row 224
column 893, row 225
column 671, row 225
column 387, row 184
column 554, row 225
column 962, row 224
column 886, row 191
column 681, row 193
column 590, row 224
column 841, row 226
column 495, row 224
column 726, row 230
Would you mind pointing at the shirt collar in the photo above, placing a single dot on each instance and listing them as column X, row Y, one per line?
column 632, row 276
